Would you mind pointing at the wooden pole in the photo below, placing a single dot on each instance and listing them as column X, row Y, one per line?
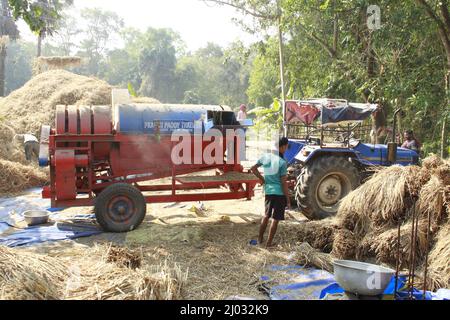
column 281, row 52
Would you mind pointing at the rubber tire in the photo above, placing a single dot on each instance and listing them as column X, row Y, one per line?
column 311, row 176
column 120, row 189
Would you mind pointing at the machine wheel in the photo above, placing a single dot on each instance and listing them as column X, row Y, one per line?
column 323, row 183
column 120, row 208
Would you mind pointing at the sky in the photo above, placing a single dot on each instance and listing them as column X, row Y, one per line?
column 196, row 21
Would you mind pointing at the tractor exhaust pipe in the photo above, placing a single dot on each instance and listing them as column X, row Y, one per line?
column 393, row 146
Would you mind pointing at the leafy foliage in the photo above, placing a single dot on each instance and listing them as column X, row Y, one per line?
column 41, row 15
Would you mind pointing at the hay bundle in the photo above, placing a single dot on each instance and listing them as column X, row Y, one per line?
column 382, row 201
column 379, row 200
column 16, row 177
column 369, row 216
column 53, row 63
column 124, row 257
column 308, row 256
column 385, row 245
column 439, row 262
column 364, row 248
column 431, row 201
column 26, row 276
column 319, row 234
column 432, row 162
column 345, row 245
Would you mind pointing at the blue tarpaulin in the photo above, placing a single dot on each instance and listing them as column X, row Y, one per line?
column 338, row 114
column 36, row 235
column 402, row 292
column 32, row 200
column 12, row 234
column 302, row 283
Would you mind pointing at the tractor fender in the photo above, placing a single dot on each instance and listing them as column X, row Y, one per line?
column 306, row 155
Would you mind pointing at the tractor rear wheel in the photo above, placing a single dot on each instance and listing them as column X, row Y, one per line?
column 120, row 208
column 323, row 183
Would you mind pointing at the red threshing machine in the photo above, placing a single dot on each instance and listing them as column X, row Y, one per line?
column 104, row 157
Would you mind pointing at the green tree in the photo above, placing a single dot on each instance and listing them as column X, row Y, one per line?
column 100, row 29
column 217, row 75
column 66, row 33
column 157, row 63
column 18, row 64
column 331, row 52
column 264, row 78
column 439, row 12
column 191, row 97
column 42, row 16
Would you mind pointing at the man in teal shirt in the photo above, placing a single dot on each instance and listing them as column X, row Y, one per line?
column 276, row 189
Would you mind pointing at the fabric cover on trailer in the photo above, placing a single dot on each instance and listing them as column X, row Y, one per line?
column 329, row 111
column 351, row 112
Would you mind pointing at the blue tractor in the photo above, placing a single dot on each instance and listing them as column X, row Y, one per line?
column 327, row 153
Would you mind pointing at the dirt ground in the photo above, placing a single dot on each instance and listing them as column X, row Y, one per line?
column 214, row 249
column 213, row 246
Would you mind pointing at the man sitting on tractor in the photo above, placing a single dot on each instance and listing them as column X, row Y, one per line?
column 276, row 189
column 411, row 142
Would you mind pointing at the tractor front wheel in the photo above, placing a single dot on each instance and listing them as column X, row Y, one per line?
column 323, row 183
column 120, row 208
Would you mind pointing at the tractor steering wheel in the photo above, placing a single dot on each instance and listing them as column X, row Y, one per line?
column 345, row 137
column 308, row 137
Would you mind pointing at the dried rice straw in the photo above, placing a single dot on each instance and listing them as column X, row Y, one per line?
column 308, row 256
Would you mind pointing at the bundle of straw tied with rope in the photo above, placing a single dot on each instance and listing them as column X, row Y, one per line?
column 366, row 226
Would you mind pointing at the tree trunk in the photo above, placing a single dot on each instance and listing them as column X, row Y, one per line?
column 444, row 121
column 39, row 47
column 2, row 70
column 443, row 137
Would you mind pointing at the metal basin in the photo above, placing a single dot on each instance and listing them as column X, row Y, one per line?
column 362, row 279
column 36, row 217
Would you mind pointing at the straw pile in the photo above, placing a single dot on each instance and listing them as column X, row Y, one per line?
column 10, row 149
column 368, row 218
column 124, row 257
column 35, row 103
column 319, row 234
column 15, row 172
column 27, row 276
column 383, row 200
column 30, row 276
column 17, row 177
column 439, row 264
column 105, row 281
column 344, row 246
column 385, row 245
